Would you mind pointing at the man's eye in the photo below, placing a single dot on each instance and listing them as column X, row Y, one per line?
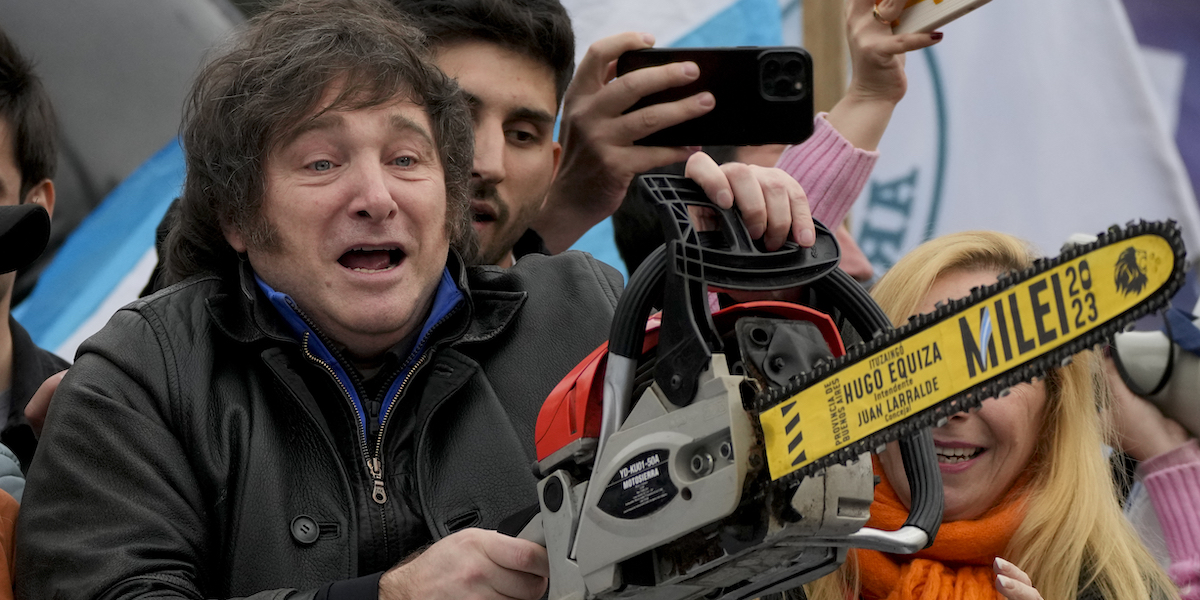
column 404, row 161
column 321, row 165
column 521, row 136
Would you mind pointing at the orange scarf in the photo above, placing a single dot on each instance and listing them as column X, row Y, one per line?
column 957, row 567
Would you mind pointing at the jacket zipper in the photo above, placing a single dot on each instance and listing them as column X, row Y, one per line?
column 373, row 462
column 375, row 470
column 374, row 465
column 379, row 495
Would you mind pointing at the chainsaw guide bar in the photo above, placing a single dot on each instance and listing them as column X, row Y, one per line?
column 968, row 350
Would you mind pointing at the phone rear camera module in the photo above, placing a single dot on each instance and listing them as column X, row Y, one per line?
column 782, row 76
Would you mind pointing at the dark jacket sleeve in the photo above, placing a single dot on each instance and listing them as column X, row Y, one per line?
column 113, row 508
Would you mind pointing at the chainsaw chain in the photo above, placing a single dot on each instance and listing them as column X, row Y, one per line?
column 972, row 397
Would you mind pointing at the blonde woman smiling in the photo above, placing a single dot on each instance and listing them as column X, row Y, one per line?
column 1030, row 510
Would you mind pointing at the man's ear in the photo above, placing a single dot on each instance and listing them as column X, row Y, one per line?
column 234, row 237
column 42, row 194
column 556, row 153
column 556, row 150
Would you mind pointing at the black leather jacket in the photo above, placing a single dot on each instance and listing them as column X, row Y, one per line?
column 190, row 450
column 31, row 366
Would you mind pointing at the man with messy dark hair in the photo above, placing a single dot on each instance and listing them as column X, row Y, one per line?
column 328, row 389
column 329, row 402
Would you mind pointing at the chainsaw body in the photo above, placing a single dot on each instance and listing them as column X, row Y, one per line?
column 677, row 513
column 707, row 454
column 655, row 481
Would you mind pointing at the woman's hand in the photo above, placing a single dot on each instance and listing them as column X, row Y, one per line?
column 1143, row 432
column 877, row 82
column 877, row 54
column 39, row 404
column 1013, row 583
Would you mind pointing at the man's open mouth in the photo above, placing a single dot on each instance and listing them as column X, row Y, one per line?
column 483, row 212
column 953, row 456
column 371, row 260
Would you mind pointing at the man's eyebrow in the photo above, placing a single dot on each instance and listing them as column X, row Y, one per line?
column 472, row 99
column 533, row 115
column 402, row 123
column 324, row 121
column 523, row 113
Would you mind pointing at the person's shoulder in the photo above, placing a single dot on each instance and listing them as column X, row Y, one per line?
column 569, row 272
column 174, row 311
column 182, row 296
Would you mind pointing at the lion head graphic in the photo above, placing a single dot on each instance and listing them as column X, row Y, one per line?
column 1130, row 272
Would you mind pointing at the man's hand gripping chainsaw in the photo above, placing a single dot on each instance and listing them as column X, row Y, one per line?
column 740, row 468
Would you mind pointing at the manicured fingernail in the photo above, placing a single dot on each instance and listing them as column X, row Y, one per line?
column 935, row 35
column 706, row 100
column 1000, row 564
column 648, row 38
column 808, row 238
column 1004, row 582
column 690, row 69
column 693, row 148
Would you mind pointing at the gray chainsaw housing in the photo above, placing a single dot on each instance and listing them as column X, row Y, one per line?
column 685, row 510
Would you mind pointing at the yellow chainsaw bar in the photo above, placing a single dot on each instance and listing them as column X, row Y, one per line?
column 970, row 349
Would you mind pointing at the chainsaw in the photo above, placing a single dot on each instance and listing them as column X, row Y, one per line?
column 725, row 454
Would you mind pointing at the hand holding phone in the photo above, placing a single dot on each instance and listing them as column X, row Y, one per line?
column 926, row 15
column 599, row 158
column 763, row 95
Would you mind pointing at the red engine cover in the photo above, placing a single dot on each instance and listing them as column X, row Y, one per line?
column 574, row 408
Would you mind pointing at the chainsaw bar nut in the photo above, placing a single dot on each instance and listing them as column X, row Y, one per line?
column 702, row 463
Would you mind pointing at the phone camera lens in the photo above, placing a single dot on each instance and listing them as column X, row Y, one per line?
column 770, row 69
column 792, row 68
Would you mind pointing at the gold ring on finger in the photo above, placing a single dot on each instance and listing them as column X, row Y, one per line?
column 879, row 17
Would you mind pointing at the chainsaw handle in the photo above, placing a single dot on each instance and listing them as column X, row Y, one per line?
column 916, row 449
column 927, row 502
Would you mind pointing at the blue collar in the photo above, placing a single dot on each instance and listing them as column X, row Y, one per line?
column 445, row 300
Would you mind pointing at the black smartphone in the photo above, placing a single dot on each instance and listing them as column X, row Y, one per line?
column 763, row 95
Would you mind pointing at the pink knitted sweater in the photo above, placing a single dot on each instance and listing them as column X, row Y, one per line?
column 1172, row 480
column 830, row 169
